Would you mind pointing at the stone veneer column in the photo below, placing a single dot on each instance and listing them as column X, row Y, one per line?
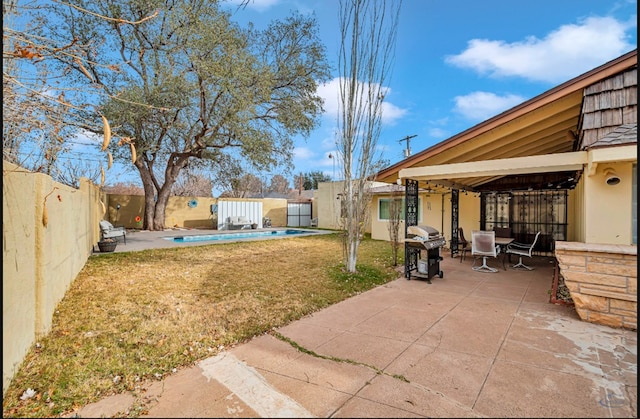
column 603, row 281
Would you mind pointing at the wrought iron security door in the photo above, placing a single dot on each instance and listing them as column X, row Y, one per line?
column 526, row 213
column 411, row 254
column 455, row 203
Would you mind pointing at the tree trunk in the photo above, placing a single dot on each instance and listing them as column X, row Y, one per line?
column 161, row 205
column 352, row 253
column 156, row 197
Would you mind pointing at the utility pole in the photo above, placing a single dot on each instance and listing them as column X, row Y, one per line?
column 333, row 159
column 300, row 190
column 407, row 151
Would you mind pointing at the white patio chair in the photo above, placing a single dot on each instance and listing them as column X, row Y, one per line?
column 483, row 244
column 108, row 231
column 522, row 249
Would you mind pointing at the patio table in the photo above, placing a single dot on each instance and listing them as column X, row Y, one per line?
column 503, row 242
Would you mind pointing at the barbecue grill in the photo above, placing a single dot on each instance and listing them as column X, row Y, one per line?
column 419, row 239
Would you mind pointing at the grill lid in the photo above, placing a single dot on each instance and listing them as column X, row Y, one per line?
column 426, row 232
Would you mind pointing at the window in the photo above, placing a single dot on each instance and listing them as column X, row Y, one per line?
column 384, row 208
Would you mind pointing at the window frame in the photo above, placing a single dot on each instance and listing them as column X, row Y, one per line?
column 386, row 199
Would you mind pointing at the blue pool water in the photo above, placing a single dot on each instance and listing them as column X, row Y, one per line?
column 237, row 236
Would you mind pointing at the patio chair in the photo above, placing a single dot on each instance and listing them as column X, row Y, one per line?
column 108, row 231
column 502, row 231
column 483, row 244
column 463, row 244
column 522, row 249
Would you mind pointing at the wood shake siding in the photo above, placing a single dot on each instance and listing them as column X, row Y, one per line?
column 609, row 104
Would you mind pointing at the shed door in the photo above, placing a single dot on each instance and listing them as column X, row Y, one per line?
column 299, row 214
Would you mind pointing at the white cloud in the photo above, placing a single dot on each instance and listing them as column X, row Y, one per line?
column 330, row 93
column 391, row 113
column 303, row 153
column 328, row 143
column 561, row 55
column 483, row 105
column 438, row 133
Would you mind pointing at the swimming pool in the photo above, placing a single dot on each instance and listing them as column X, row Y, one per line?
column 238, row 236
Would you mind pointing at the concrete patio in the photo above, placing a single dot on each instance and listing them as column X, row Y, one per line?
column 470, row 344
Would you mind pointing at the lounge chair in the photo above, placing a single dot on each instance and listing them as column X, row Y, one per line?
column 238, row 222
column 108, row 231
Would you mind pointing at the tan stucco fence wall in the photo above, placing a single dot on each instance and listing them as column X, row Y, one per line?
column 39, row 262
column 187, row 212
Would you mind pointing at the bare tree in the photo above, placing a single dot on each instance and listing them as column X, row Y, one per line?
column 235, row 178
column 243, row 186
column 395, row 216
column 193, row 182
column 123, row 188
column 49, row 108
column 368, row 31
column 71, row 171
column 279, row 184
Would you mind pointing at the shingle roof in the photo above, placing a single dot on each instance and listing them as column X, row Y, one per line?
column 393, row 187
column 390, row 188
column 623, row 135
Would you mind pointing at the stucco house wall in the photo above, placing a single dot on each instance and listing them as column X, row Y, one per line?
column 327, row 205
column 608, row 208
column 430, row 213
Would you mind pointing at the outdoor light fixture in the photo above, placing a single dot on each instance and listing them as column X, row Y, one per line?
column 611, row 177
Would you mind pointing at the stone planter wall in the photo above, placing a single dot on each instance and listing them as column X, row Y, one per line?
column 603, row 281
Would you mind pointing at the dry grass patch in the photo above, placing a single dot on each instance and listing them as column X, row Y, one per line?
column 132, row 317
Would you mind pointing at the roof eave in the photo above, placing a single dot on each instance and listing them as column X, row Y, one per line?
column 606, row 70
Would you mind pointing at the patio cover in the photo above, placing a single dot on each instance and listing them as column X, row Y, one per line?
column 470, row 176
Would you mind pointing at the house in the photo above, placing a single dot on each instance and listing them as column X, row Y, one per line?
column 328, row 203
column 563, row 163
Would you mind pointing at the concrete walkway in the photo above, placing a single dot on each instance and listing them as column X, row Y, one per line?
column 468, row 345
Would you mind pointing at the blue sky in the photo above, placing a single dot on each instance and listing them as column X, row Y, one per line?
column 459, row 63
